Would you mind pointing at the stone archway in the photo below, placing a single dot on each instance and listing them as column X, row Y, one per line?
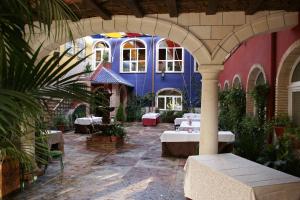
column 120, row 23
column 285, row 68
column 266, row 24
column 253, row 74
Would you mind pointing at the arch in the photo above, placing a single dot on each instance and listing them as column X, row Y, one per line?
column 169, row 101
column 130, row 54
column 171, row 89
column 94, row 48
column 253, row 75
column 237, row 81
column 283, row 77
column 124, row 23
column 265, row 24
column 162, row 63
column 226, row 85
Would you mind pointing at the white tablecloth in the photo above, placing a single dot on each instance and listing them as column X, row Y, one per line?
column 191, row 115
column 195, row 126
column 229, row 177
column 150, row 116
column 178, row 121
column 88, row 120
column 55, row 137
column 184, row 136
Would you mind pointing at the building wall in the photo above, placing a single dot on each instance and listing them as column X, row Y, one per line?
column 188, row 81
column 268, row 50
column 257, row 50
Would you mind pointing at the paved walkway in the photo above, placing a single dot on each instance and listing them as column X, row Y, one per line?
column 136, row 171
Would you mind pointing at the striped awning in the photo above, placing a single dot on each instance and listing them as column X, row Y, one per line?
column 106, row 76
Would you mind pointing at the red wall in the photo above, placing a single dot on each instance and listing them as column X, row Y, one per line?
column 257, row 50
column 254, row 51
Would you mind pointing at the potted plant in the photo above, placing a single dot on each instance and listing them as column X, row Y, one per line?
column 280, row 123
column 294, row 134
column 60, row 122
column 117, row 133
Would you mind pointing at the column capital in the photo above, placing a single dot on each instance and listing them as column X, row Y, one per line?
column 210, row 72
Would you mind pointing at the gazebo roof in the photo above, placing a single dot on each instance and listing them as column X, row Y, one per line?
column 139, row 8
column 106, row 76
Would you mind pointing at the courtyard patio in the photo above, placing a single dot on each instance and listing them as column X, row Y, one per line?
column 135, row 171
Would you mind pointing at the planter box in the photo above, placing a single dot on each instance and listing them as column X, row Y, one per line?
column 279, row 131
column 9, row 177
column 106, row 143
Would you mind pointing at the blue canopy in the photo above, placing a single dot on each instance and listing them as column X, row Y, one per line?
column 106, row 76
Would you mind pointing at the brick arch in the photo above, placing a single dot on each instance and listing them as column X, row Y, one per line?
column 288, row 60
column 266, row 24
column 123, row 23
column 255, row 70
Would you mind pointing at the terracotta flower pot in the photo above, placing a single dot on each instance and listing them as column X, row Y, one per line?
column 9, row 177
column 114, row 138
column 61, row 128
column 279, row 130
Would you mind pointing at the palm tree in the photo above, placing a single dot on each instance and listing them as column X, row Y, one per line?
column 26, row 80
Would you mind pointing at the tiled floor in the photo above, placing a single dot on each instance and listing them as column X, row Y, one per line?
column 136, row 171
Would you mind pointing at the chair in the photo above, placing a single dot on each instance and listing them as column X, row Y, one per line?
column 55, row 154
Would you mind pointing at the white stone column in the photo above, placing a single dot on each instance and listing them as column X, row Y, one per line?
column 209, row 109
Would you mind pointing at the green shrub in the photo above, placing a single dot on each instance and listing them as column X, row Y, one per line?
column 169, row 116
column 281, row 156
column 232, row 109
column 112, row 130
column 134, row 109
column 260, row 95
column 60, row 120
column 250, row 139
column 120, row 116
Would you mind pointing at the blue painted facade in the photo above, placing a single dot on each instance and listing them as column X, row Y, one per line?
column 188, row 81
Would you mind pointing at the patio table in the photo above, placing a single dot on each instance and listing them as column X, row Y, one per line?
column 87, row 124
column 150, row 119
column 55, row 137
column 184, row 144
column 194, row 127
column 230, row 177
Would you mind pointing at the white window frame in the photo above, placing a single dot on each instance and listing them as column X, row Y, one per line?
column 102, row 50
column 169, row 96
column 131, row 61
column 166, row 60
column 293, row 87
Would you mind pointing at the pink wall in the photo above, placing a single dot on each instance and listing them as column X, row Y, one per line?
column 257, row 50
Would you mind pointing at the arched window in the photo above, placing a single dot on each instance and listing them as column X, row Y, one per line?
column 133, row 56
column 236, row 83
column 101, row 52
column 294, row 95
column 170, row 57
column 169, row 99
column 226, row 85
column 260, row 80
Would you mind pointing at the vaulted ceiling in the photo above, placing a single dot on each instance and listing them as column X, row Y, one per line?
column 139, row 8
